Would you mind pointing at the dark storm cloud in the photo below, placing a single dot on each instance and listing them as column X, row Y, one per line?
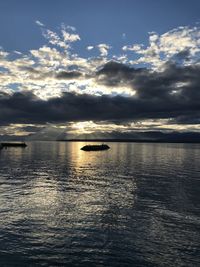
column 116, row 74
column 26, row 108
column 31, row 129
column 30, row 70
column 190, row 118
column 60, row 75
column 145, row 80
column 183, row 55
column 67, row 75
column 175, row 83
column 172, row 93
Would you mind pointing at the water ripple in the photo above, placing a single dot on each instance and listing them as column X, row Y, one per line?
column 134, row 205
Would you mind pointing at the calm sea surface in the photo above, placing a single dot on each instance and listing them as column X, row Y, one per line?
column 134, row 205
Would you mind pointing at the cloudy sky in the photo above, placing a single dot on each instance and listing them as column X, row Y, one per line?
column 103, row 68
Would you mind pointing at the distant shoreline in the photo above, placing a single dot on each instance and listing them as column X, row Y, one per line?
column 130, row 141
column 181, row 141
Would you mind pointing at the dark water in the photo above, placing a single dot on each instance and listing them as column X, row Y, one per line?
column 134, row 205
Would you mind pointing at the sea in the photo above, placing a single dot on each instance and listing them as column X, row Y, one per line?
column 136, row 204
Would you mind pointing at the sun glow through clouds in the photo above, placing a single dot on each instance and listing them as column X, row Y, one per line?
column 54, row 74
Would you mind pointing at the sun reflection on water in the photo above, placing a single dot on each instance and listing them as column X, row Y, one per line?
column 60, row 204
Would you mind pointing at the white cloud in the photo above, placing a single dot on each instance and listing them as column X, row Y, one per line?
column 3, row 54
column 70, row 37
column 54, row 39
column 64, row 40
column 123, row 35
column 36, row 70
column 72, row 28
column 90, row 47
column 161, row 48
column 39, row 23
column 103, row 48
column 153, row 37
column 136, row 47
column 17, row 52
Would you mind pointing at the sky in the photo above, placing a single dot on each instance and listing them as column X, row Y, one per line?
column 106, row 69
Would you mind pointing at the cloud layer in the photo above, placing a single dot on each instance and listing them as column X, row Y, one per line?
column 55, row 85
